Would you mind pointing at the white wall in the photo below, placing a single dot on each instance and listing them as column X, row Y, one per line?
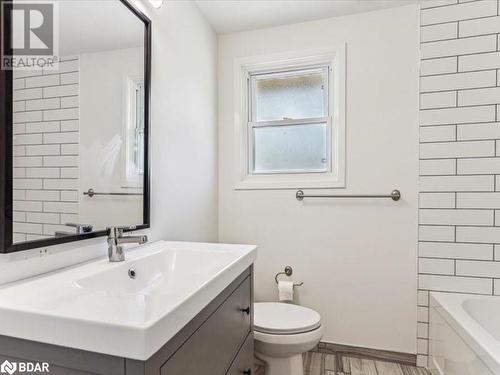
column 184, row 134
column 184, row 141
column 357, row 258
column 459, row 159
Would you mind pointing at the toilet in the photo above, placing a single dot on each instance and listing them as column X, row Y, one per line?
column 283, row 332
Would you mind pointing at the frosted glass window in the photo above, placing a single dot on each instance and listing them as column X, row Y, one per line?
column 290, row 95
column 289, row 121
column 293, row 148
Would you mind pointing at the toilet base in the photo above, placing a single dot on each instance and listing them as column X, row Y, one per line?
column 283, row 365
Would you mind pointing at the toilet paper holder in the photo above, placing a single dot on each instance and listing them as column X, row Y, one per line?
column 288, row 271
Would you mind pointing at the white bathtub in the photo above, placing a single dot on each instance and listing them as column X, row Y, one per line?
column 464, row 335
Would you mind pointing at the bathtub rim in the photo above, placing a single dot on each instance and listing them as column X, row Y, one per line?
column 450, row 307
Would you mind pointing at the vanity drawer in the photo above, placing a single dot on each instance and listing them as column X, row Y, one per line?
column 244, row 362
column 211, row 349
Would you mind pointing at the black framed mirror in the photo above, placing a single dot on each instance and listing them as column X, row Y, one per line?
column 74, row 145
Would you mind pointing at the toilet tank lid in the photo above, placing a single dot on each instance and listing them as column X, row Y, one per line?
column 284, row 318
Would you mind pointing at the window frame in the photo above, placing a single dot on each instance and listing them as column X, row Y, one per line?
column 252, row 124
column 244, row 69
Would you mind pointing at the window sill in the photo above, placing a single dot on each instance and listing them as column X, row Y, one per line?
column 269, row 182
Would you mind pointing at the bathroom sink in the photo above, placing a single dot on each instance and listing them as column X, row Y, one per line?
column 129, row 309
column 157, row 273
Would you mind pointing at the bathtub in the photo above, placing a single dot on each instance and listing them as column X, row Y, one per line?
column 464, row 334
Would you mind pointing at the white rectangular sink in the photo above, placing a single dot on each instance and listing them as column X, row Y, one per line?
column 98, row 307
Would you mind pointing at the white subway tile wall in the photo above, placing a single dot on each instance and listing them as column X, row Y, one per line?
column 46, row 143
column 459, row 216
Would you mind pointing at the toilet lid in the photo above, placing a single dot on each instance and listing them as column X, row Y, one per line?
column 284, row 318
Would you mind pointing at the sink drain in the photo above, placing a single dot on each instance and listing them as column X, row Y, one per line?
column 132, row 274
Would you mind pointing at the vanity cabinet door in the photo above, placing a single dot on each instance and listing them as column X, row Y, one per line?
column 212, row 348
column 244, row 362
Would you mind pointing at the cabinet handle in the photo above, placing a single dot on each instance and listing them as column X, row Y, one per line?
column 247, row 372
column 247, row 310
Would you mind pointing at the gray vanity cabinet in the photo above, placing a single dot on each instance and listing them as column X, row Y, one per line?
column 243, row 364
column 218, row 341
column 211, row 350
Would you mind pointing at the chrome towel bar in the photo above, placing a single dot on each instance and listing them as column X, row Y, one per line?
column 91, row 193
column 395, row 195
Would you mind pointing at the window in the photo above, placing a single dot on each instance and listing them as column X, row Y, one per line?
column 291, row 121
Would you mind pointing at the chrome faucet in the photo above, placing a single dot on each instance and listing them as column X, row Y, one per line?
column 116, row 239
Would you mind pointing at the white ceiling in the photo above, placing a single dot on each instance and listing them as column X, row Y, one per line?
column 228, row 16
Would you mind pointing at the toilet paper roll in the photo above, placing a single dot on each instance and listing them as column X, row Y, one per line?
column 285, row 291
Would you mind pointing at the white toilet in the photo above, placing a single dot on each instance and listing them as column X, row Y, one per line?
column 283, row 332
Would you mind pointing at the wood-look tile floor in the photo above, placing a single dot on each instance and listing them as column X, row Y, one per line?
column 337, row 364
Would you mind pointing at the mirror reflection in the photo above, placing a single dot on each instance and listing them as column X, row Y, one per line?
column 78, row 130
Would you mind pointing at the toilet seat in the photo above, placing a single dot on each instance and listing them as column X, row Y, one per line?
column 284, row 319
